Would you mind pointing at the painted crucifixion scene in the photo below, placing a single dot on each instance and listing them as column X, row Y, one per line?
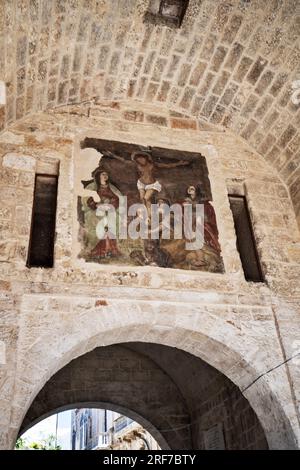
column 144, row 206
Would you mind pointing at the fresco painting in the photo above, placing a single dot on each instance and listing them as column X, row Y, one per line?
column 147, row 176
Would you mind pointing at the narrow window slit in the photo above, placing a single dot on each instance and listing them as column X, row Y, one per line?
column 41, row 245
column 245, row 239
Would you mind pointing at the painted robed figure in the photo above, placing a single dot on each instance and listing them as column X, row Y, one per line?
column 146, row 176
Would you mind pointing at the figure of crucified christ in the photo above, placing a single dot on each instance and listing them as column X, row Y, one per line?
column 147, row 184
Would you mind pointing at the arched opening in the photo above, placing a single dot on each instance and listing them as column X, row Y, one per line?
column 181, row 400
column 90, row 426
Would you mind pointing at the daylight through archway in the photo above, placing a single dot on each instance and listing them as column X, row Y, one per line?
column 86, row 429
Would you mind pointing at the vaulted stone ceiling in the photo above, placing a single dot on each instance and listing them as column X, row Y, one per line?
column 233, row 63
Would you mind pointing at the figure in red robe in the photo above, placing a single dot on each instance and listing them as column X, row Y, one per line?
column 109, row 202
column 211, row 233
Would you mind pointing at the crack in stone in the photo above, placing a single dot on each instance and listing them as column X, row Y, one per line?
column 268, row 371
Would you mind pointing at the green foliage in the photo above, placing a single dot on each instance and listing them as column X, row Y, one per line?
column 45, row 444
column 20, row 444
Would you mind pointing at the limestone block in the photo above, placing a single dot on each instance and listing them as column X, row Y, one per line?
column 19, row 161
column 2, row 352
column 2, row 93
column 9, row 137
column 8, row 250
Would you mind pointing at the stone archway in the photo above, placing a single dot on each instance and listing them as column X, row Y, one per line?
column 230, row 325
column 179, row 395
column 215, row 342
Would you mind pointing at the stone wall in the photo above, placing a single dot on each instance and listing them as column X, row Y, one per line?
column 51, row 316
column 234, row 64
column 210, row 397
column 223, row 404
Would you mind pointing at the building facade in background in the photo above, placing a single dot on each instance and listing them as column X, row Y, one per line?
column 96, row 429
